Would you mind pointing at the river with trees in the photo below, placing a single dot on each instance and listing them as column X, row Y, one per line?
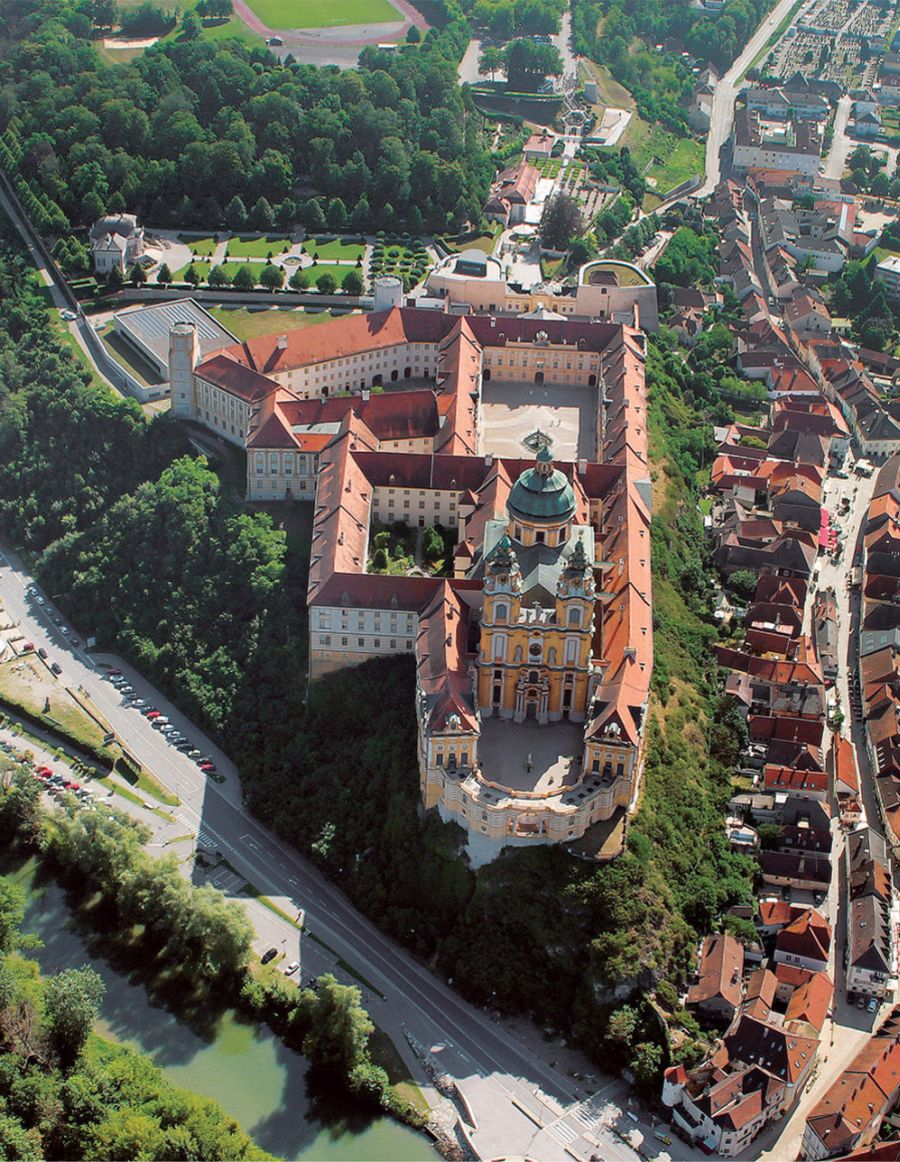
column 245, row 1068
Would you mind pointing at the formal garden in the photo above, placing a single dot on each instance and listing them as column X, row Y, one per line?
column 399, row 255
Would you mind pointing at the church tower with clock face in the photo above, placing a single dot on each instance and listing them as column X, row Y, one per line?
column 537, row 621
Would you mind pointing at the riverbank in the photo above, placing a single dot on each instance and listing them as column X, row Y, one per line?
column 245, row 1068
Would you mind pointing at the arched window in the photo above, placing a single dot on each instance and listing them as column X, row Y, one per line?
column 500, row 612
column 575, row 617
column 533, row 677
column 395, row 375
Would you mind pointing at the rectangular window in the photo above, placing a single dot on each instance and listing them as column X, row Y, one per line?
column 378, row 643
column 273, row 463
column 259, row 462
column 361, row 641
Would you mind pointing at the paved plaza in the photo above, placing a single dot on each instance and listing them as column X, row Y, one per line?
column 525, row 756
column 513, row 410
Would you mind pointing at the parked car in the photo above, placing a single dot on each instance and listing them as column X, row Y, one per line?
column 27, row 647
column 872, row 1006
column 861, row 1002
column 113, row 671
column 151, row 714
column 268, row 956
column 292, row 967
column 42, row 653
column 56, row 668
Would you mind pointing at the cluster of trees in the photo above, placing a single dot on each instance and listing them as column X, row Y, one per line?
column 504, row 19
column 527, row 63
column 67, row 450
column 561, row 221
column 857, row 293
column 180, row 579
column 623, row 34
column 616, row 167
column 176, row 135
column 869, row 174
column 194, row 935
column 690, row 259
column 64, row 1093
column 269, row 276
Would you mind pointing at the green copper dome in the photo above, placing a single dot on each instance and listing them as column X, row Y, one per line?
column 542, row 493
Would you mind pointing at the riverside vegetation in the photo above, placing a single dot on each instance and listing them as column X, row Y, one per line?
column 189, row 946
column 67, row 1093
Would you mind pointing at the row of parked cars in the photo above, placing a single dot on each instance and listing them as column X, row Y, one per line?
column 57, row 784
column 159, row 721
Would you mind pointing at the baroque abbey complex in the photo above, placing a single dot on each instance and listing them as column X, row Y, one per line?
column 527, row 437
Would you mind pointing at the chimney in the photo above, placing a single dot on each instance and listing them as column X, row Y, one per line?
column 366, row 395
column 281, row 342
column 582, row 467
column 489, row 459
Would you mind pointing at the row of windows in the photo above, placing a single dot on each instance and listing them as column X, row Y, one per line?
column 396, row 621
column 363, row 643
column 305, row 466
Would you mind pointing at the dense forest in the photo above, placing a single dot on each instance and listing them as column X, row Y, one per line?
column 211, row 133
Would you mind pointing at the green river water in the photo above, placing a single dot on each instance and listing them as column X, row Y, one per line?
column 244, row 1068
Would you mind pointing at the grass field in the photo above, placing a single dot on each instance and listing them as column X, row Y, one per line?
column 484, row 242
column 609, row 90
column 243, row 247
column 335, row 250
column 662, row 156
column 27, row 682
column 251, row 324
column 285, row 14
column 339, row 273
column 202, row 247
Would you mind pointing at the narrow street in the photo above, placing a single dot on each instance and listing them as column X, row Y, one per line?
column 848, row 1027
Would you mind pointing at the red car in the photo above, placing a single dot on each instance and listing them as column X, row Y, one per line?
column 207, row 768
column 27, row 647
column 151, row 714
column 45, row 772
column 112, row 670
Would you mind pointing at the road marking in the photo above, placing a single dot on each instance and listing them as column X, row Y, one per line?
column 251, row 843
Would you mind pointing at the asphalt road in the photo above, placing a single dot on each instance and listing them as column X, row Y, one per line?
column 502, row 1072
column 841, row 145
column 722, row 113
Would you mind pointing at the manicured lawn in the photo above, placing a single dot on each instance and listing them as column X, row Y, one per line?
column 338, row 273
column 484, row 242
column 202, row 247
column 323, row 13
column 335, row 249
column 244, row 247
column 251, row 324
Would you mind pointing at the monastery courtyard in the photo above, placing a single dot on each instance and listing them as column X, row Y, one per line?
column 512, row 410
column 526, row 756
